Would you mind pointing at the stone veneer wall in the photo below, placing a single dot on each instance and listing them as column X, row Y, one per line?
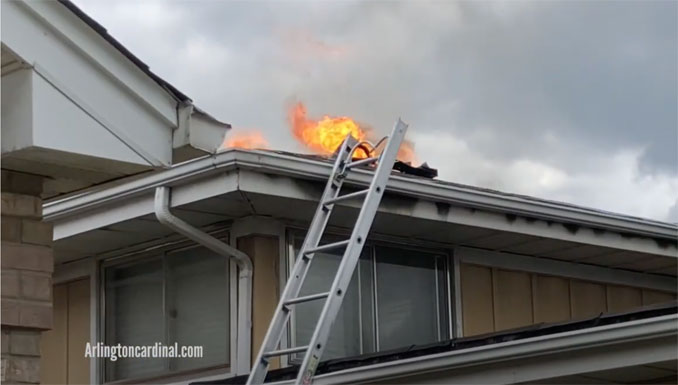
column 27, row 265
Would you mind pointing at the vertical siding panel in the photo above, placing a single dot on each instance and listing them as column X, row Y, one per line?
column 265, row 286
column 652, row 296
column 551, row 299
column 622, row 298
column 476, row 299
column 588, row 299
column 78, row 331
column 512, row 299
column 54, row 342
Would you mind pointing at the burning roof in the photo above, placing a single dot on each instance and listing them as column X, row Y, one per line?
column 322, row 136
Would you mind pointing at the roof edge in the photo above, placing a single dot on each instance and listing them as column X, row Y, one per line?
column 307, row 168
column 644, row 329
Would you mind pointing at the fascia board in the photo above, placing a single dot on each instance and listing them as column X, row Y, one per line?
column 272, row 163
column 662, row 327
column 87, row 43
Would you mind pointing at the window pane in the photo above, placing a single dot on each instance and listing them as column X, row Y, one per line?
column 407, row 298
column 182, row 297
column 198, row 306
column 345, row 337
column 134, row 316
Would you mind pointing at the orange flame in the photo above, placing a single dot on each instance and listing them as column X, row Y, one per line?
column 326, row 134
column 248, row 140
column 320, row 136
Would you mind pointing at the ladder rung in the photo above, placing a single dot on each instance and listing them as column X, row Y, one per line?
column 282, row 352
column 307, row 298
column 347, row 196
column 328, row 246
column 362, row 162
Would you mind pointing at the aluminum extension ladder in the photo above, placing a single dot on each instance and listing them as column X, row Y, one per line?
column 353, row 247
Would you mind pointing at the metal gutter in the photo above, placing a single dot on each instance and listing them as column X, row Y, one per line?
column 661, row 327
column 245, row 267
column 301, row 167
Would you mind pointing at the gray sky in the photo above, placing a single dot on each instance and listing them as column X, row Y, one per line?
column 565, row 100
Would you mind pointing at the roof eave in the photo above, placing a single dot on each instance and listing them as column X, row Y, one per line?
column 274, row 163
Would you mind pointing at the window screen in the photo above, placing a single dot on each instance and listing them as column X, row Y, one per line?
column 178, row 297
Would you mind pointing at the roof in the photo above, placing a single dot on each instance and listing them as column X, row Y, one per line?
column 460, row 344
column 115, row 43
column 500, row 193
column 101, row 30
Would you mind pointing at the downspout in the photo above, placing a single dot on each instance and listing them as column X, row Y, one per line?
column 245, row 269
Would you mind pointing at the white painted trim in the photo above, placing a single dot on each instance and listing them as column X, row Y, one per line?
column 511, row 261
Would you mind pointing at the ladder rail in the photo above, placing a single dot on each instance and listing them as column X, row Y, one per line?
column 349, row 261
column 281, row 315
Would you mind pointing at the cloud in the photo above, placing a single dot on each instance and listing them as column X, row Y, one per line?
column 573, row 101
column 610, row 182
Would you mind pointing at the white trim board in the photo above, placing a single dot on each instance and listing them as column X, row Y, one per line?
column 510, row 261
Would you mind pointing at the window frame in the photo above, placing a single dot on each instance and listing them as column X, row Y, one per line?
column 160, row 251
column 374, row 241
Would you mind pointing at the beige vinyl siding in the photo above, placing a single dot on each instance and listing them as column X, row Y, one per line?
column 620, row 298
column 651, row 297
column 512, row 299
column 63, row 348
column 265, row 286
column 496, row 299
column 550, row 298
column 476, row 294
column 587, row 299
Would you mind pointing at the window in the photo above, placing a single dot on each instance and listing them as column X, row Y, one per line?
column 397, row 297
column 180, row 296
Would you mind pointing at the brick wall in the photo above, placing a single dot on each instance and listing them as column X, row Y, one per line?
column 26, row 263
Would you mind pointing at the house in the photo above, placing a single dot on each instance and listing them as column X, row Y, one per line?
column 456, row 283
column 78, row 110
